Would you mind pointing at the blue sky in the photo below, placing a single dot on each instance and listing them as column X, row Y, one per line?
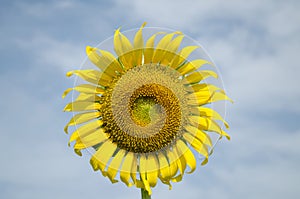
column 254, row 43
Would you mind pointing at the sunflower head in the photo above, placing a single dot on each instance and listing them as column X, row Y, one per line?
column 145, row 111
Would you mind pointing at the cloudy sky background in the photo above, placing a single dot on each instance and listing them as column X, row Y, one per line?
column 256, row 45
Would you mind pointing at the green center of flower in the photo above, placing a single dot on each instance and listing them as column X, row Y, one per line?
column 145, row 110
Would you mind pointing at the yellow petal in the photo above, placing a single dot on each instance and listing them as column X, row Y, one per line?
column 85, row 130
column 182, row 56
column 110, row 59
column 97, row 137
column 201, row 75
column 179, row 166
column 197, row 133
column 114, row 166
column 164, row 170
column 187, row 155
column 94, row 164
column 174, row 44
column 202, row 94
column 138, row 40
column 181, row 162
column 126, row 170
column 134, row 167
column 89, row 75
column 173, row 163
column 103, row 154
column 82, row 118
column 208, row 125
column 128, row 60
column 87, row 97
column 149, row 49
column 152, row 169
column 85, row 88
column 127, row 46
column 138, row 43
column 82, row 106
column 177, row 157
column 161, row 47
column 165, row 41
column 196, row 144
column 104, row 80
column 124, row 50
column 104, row 60
column 122, row 44
column 164, row 167
column 148, row 55
column 217, row 96
column 210, row 113
column 205, row 87
column 137, row 57
column 118, row 43
column 177, row 178
column 143, row 171
column 192, row 66
column 92, row 76
column 171, row 50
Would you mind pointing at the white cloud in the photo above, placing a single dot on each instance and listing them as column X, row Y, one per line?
column 44, row 9
column 47, row 51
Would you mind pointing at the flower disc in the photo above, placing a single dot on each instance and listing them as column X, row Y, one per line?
column 145, row 109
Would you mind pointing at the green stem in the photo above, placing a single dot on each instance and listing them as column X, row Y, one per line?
column 145, row 194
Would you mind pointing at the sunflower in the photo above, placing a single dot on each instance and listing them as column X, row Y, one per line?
column 144, row 112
